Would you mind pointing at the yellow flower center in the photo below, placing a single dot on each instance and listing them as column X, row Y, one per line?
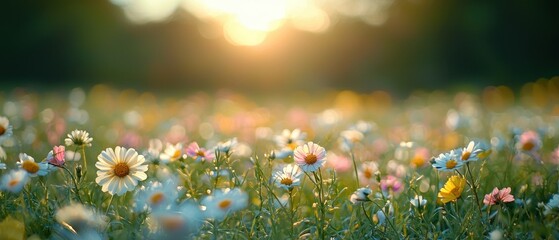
column 200, row 153
column 2, row 130
column 171, row 222
column 157, row 198
column 418, row 161
column 368, row 173
column 466, row 155
column 451, row 164
column 310, row 159
column 528, row 146
column 13, row 183
column 224, row 204
column 176, row 154
column 292, row 145
column 286, row 181
column 30, row 166
column 121, row 170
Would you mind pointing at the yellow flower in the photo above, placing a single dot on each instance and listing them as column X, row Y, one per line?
column 452, row 189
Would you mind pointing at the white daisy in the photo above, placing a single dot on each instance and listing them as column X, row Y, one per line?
column 368, row 173
column 156, row 195
column 34, row 169
column 154, row 149
column 360, row 195
column 288, row 177
column 349, row 138
column 470, row 153
column 78, row 138
column 120, row 170
column 14, row 181
column 223, row 202
column 80, row 219
column 179, row 222
column 226, row 147
column 171, row 153
column 447, row 162
column 291, row 139
column 5, row 129
column 310, row 157
column 2, row 153
column 418, row 201
column 552, row 206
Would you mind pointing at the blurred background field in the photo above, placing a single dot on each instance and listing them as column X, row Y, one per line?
column 385, row 86
column 175, row 46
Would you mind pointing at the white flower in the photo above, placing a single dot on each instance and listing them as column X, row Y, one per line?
column 418, row 201
column 5, row 129
column 80, row 219
column 367, row 173
column 447, row 162
column 553, row 205
column 288, row 177
column 223, row 202
column 156, row 195
column 360, row 195
column 225, row 147
column 496, row 234
column 120, row 170
column 2, row 153
column 310, row 157
column 470, row 153
column 179, row 222
column 14, row 181
column 78, row 138
column 34, row 169
column 283, row 153
column 291, row 139
column 349, row 138
column 171, row 153
column 154, row 149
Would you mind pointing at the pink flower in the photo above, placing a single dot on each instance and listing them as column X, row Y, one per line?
column 198, row 153
column 529, row 142
column 391, row 183
column 498, row 196
column 555, row 156
column 56, row 157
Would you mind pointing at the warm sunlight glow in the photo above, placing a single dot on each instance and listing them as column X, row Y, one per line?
column 248, row 22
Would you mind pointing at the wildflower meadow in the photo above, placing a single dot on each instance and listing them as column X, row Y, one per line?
column 102, row 163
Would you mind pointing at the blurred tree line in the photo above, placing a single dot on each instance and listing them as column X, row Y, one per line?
column 425, row 44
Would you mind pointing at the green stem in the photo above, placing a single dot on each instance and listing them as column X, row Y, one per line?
column 291, row 213
column 75, row 184
column 109, row 205
column 318, row 183
column 367, row 215
column 355, row 169
column 84, row 162
column 474, row 187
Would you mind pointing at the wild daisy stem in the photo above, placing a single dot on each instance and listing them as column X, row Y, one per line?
column 75, row 184
column 318, row 183
column 291, row 213
column 109, row 205
column 84, row 161
column 387, row 217
column 366, row 214
column 355, row 169
column 474, row 187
